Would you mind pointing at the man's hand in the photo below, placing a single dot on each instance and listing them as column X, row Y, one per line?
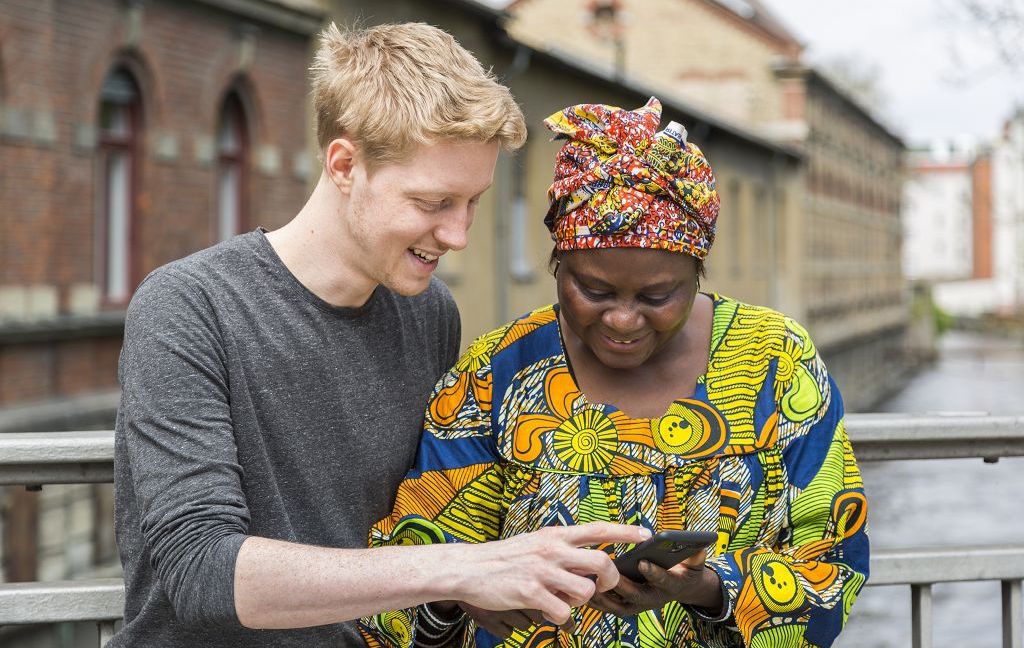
column 547, row 571
column 688, row 582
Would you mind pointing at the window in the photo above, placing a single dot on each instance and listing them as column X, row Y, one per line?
column 521, row 267
column 232, row 149
column 120, row 112
column 738, row 216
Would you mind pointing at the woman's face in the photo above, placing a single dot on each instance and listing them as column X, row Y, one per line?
column 625, row 304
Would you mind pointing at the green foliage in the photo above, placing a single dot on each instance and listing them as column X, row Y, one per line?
column 943, row 320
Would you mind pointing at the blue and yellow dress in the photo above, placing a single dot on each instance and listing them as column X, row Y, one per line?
column 758, row 454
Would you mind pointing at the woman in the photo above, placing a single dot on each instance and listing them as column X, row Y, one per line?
column 638, row 399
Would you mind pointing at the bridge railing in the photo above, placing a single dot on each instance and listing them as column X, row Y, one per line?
column 35, row 459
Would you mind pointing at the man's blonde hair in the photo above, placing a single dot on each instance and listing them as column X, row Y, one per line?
column 392, row 88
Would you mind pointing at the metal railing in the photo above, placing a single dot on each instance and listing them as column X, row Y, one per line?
column 35, row 459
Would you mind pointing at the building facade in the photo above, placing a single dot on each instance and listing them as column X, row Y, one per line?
column 131, row 134
column 940, row 215
column 738, row 62
column 1008, row 216
column 996, row 286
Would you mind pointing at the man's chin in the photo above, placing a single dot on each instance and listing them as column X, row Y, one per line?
column 407, row 287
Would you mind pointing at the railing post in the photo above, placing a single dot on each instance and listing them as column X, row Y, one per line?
column 106, row 632
column 1013, row 628
column 921, row 614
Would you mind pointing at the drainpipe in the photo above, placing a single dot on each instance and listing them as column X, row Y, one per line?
column 503, row 199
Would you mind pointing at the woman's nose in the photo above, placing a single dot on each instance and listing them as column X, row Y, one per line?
column 622, row 318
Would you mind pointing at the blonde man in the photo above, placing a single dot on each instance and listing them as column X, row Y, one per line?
column 273, row 385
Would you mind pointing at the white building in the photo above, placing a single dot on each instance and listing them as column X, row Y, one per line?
column 937, row 215
column 1002, row 292
column 1008, row 212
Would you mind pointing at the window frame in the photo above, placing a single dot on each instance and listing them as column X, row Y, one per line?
column 238, row 159
column 129, row 145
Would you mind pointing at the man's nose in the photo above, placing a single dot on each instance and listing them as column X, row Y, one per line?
column 453, row 231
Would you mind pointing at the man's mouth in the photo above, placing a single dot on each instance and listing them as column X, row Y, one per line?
column 426, row 257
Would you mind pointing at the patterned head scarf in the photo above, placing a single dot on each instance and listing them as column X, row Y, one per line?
column 618, row 183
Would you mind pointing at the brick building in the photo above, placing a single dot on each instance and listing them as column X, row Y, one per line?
column 131, row 133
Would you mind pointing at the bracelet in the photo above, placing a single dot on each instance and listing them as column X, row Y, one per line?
column 432, row 631
column 434, row 619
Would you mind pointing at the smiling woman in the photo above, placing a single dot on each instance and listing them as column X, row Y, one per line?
column 638, row 399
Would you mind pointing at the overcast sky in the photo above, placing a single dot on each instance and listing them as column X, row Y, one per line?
column 910, row 42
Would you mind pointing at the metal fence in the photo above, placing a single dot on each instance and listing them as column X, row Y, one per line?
column 35, row 459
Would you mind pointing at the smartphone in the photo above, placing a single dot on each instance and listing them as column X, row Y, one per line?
column 665, row 549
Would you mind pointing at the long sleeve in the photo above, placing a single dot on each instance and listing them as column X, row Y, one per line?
column 453, row 492
column 181, row 456
column 797, row 587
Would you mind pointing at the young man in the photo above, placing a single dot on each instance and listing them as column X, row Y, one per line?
column 273, row 385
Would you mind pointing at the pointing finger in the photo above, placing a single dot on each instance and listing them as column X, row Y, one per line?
column 594, row 533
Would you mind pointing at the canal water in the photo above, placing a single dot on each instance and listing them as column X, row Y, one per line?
column 946, row 502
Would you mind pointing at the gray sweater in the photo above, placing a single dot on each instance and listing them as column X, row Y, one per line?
column 252, row 407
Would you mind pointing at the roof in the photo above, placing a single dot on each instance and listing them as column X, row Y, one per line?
column 587, row 69
column 813, row 75
column 757, row 13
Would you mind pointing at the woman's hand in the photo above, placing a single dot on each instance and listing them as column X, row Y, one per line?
column 502, row 624
column 688, row 582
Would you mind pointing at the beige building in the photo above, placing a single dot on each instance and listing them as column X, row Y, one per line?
column 734, row 60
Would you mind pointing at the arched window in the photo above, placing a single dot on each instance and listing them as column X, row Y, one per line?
column 119, row 138
column 232, row 151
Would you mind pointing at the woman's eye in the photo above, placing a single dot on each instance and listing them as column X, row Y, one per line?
column 594, row 295
column 654, row 300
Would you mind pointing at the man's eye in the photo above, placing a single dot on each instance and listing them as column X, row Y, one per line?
column 431, row 206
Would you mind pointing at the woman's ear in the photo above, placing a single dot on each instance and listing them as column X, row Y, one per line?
column 553, row 261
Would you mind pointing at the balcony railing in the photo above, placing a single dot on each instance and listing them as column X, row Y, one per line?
column 34, row 459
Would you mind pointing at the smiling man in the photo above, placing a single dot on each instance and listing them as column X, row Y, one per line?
column 274, row 385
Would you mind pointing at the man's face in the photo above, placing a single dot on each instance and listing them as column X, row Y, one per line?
column 404, row 216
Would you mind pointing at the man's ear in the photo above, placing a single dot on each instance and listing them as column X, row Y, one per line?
column 340, row 160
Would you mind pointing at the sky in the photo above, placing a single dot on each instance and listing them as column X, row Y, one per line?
column 911, row 44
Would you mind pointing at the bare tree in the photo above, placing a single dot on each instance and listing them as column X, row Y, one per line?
column 987, row 35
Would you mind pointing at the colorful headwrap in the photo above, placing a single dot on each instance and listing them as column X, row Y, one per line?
column 618, row 183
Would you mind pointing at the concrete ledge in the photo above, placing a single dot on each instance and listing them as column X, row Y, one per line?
column 65, row 327
column 95, row 411
column 303, row 18
column 946, row 564
column 32, row 458
column 37, row 458
column 879, row 437
column 61, row 601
